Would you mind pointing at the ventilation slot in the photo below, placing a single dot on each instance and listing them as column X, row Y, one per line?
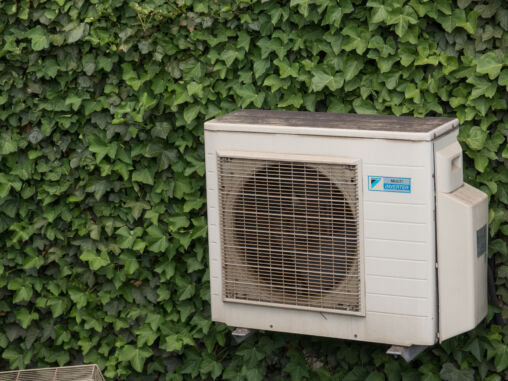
column 290, row 233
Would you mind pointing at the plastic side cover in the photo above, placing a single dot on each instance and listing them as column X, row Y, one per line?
column 462, row 230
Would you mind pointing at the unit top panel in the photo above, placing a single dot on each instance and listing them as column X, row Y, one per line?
column 333, row 124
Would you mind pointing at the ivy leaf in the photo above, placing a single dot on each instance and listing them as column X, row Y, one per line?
column 248, row 95
column 4, row 340
column 490, row 64
column 177, row 222
column 146, row 335
column 358, row 38
column 130, row 76
column 79, row 297
column 187, row 291
column 448, row 22
column 253, row 374
column 194, row 88
column 251, row 355
column 137, row 208
column 130, row 262
column 126, row 239
column 401, row 18
column 101, row 148
column 357, row 374
column 172, row 343
column 260, row 67
column 23, row 290
column 182, row 186
column 463, row 3
column 297, row 370
column 476, row 138
column 321, row 79
column 364, row 107
column 375, row 376
column 157, row 241
column 243, row 41
column 504, row 154
column 379, row 12
column 191, row 363
column 475, row 348
column 200, row 227
column 286, row 68
column 450, row 373
column 39, row 38
column 58, row 306
column 136, row 356
column 94, row 260
column 166, row 269
column 291, row 99
column 35, row 135
column 144, row 175
column 230, row 55
column 25, row 317
column 89, row 64
column 191, row 112
column 303, row 6
column 503, row 78
column 352, row 67
column 14, row 356
column 333, row 15
column 501, row 359
column 76, row 33
column 211, row 366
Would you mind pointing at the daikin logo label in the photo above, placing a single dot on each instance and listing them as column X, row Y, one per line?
column 389, row 184
column 374, row 181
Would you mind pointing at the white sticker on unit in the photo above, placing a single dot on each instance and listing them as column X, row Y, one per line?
column 389, row 184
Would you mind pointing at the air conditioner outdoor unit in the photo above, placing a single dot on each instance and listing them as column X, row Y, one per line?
column 347, row 226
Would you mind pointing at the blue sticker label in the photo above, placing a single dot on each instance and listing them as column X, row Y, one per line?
column 389, row 184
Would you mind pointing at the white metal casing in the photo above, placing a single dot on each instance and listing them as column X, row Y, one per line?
column 398, row 232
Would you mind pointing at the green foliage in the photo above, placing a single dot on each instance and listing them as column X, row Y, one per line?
column 102, row 190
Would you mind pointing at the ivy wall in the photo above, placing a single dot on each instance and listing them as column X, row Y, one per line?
column 103, row 253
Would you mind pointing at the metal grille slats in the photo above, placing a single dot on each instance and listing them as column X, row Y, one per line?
column 290, row 233
column 66, row 373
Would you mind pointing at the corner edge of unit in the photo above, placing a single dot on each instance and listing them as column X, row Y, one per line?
column 443, row 129
column 208, row 124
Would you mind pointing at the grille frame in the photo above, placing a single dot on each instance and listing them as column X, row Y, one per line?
column 312, row 161
column 86, row 372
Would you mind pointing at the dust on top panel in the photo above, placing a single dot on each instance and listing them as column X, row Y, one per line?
column 387, row 126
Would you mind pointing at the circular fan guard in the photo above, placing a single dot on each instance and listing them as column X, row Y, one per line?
column 302, row 221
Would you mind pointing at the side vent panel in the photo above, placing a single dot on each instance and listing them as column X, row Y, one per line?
column 290, row 233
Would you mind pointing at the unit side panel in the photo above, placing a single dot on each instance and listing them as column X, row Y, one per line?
column 398, row 239
column 214, row 249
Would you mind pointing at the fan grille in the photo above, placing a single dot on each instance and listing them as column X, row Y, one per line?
column 290, row 233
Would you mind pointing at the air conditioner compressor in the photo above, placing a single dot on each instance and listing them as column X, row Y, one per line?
column 347, row 226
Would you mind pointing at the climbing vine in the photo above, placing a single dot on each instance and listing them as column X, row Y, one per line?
column 102, row 194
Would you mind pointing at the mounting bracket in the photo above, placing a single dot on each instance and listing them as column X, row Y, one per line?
column 407, row 353
column 240, row 334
